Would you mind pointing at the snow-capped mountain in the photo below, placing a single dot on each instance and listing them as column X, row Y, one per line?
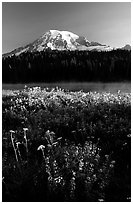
column 60, row 40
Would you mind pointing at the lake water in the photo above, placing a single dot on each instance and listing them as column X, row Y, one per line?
column 76, row 86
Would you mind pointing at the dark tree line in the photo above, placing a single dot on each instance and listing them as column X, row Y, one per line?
column 50, row 66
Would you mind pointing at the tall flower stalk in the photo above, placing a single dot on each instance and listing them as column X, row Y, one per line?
column 15, row 151
column 12, row 140
column 17, row 144
column 42, row 147
column 26, row 141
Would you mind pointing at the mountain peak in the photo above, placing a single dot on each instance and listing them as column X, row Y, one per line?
column 60, row 40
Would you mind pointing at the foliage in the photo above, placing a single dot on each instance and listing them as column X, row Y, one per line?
column 75, row 147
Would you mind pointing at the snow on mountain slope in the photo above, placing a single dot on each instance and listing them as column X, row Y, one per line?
column 100, row 48
column 60, row 40
column 66, row 35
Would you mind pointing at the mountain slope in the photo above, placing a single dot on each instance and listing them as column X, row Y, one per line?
column 60, row 40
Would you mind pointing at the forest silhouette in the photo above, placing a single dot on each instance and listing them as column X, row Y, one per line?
column 52, row 66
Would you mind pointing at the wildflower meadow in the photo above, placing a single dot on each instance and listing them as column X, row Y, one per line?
column 60, row 145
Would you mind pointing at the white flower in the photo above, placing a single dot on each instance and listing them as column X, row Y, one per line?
column 18, row 143
column 41, row 147
column 129, row 135
column 47, row 132
column 101, row 200
column 12, row 131
column 25, row 129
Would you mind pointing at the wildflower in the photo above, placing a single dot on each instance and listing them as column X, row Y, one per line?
column 3, row 178
column 111, row 165
column 125, row 144
column 25, row 129
column 11, row 131
column 41, row 147
column 74, row 173
column 101, row 200
column 113, row 162
column 129, row 135
column 76, row 152
column 128, row 198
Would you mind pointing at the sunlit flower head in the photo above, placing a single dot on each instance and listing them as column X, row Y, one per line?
column 25, row 129
column 41, row 147
column 12, row 131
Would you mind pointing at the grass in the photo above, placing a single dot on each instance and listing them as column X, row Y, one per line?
column 70, row 146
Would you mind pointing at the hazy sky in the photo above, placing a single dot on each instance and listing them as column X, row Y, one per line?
column 23, row 22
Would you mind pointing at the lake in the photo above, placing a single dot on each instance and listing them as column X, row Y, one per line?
column 77, row 86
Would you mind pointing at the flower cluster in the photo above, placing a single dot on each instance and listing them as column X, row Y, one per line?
column 70, row 163
column 56, row 97
column 73, row 143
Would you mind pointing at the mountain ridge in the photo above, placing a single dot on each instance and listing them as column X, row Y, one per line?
column 61, row 40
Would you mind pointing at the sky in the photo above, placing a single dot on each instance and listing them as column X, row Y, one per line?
column 105, row 22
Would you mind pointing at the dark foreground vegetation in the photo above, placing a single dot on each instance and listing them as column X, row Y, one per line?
column 66, row 146
column 51, row 66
